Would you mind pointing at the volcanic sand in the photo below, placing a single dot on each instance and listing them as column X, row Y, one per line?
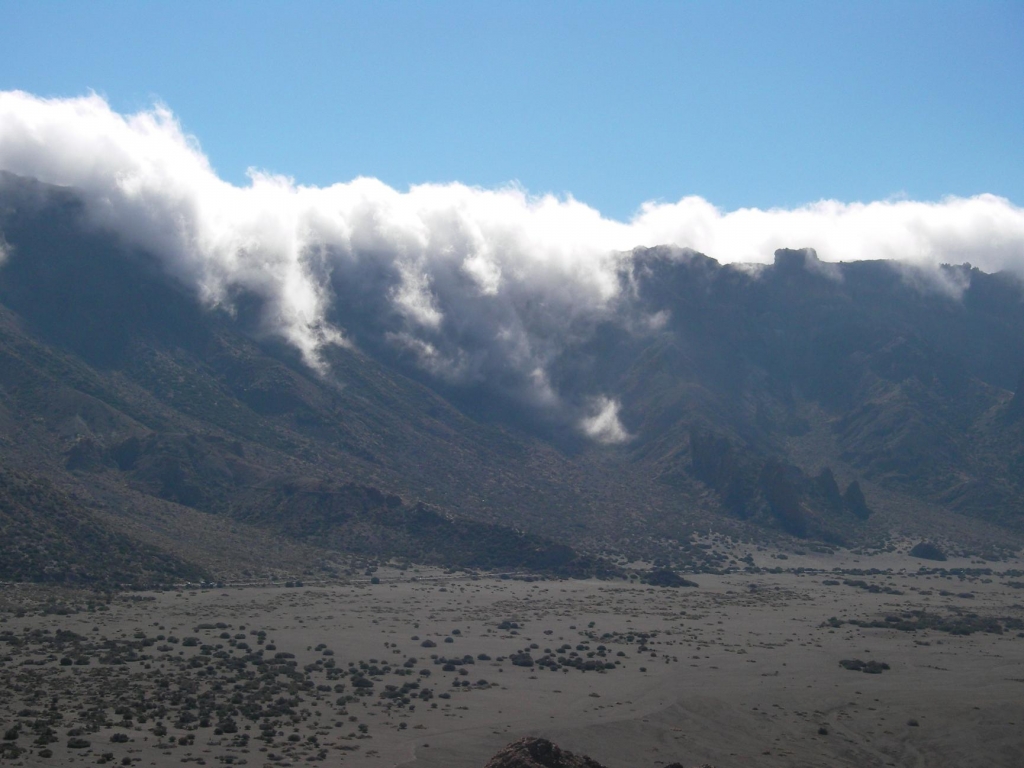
column 741, row 671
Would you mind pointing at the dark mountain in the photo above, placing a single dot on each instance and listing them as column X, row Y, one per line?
column 868, row 372
column 836, row 402
column 152, row 398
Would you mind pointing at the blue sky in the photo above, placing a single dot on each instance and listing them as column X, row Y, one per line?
column 745, row 104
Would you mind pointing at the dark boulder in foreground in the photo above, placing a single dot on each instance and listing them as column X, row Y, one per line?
column 530, row 752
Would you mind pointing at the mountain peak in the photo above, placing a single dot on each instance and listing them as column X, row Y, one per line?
column 795, row 258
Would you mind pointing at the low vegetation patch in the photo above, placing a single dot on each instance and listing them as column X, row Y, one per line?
column 955, row 623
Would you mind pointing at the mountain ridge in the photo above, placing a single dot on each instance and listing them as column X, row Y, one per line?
column 751, row 398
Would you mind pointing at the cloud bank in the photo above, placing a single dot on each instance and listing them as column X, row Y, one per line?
column 476, row 286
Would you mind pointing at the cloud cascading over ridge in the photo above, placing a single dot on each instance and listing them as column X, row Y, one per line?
column 476, row 285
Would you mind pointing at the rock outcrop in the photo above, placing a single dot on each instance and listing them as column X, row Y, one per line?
column 531, row 752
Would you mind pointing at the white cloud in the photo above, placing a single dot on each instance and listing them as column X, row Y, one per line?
column 603, row 424
column 985, row 229
column 479, row 284
column 429, row 358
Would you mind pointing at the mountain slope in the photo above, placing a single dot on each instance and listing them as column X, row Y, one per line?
column 48, row 537
column 854, row 365
column 152, row 395
column 833, row 402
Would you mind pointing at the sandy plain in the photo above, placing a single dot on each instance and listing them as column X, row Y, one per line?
column 743, row 670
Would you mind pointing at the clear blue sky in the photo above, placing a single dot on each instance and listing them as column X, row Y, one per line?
column 746, row 104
